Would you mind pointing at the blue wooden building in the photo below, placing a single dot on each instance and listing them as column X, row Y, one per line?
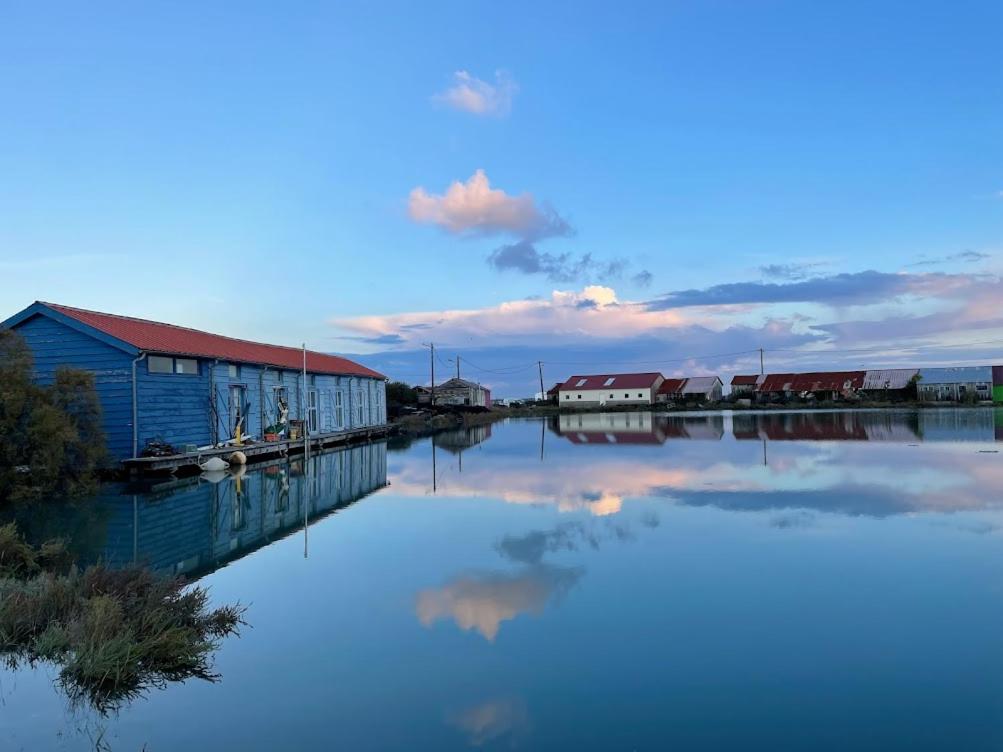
column 160, row 382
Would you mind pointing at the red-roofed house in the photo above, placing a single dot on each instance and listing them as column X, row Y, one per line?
column 184, row 386
column 742, row 385
column 610, row 389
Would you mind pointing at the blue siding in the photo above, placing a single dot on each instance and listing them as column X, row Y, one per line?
column 53, row 345
column 177, row 408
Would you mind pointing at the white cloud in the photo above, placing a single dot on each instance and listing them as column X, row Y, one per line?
column 475, row 208
column 471, row 94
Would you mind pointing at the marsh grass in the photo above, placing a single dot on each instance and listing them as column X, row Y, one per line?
column 113, row 632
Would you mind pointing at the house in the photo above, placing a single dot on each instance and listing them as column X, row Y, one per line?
column 820, row 385
column 744, row 385
column 997, row 383
column 456, row 391
column 670, row 390
column 891, row 383
column 610, row 389
column 182, row 386
column 554, row 393
column 955, row 384
column 702, row 389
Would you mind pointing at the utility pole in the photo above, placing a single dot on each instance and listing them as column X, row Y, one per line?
column 543, row 394
column 431, row 362
column 457, row 366
column 761, row 371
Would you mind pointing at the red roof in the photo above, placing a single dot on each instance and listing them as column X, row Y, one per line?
column 743, row 380
column 671, row 386
column 820, row 381
column 620, row 381
column 152, row 336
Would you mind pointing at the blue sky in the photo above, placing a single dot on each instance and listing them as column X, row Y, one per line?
column 638, row 186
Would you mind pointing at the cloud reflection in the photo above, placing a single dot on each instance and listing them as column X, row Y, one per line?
column 481, row 602
column 493, row 720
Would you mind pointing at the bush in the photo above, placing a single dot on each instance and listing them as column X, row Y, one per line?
column 51, row 439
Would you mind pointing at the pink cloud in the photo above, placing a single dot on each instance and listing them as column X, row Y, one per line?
column 471, row 94
column 475, row 208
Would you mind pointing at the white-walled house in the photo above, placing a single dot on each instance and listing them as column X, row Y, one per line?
column 609, row 389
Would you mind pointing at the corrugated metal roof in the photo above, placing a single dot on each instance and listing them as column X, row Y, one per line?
column 744, row 380
column 671, row 386
column 619, row 381
column 957, row 375
column 890, row 378
column 153, row 336
column 700, row 384
column 818, row 381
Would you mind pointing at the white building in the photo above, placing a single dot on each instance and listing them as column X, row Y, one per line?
column 610, row 389
column 706, row 388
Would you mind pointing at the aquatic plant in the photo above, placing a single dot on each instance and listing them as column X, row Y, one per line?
column 114, row 632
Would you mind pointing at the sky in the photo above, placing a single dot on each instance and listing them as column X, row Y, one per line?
column 601, row 187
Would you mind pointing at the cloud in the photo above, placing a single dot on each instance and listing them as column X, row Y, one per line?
column 471, row 94
column 562, row 267
column 475, row 208
column 791, row 272
column 966, row 257
column 846, row 289
column 643, row 278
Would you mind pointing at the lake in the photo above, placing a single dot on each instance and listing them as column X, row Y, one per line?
column 628, row 581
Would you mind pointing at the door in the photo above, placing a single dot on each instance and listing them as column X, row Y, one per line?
column 237, row 409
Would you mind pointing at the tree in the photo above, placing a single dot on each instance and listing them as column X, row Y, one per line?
column 401, row 393
column 51, row 440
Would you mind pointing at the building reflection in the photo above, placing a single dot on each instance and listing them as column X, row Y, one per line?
column 193, row 526
column 631, row 428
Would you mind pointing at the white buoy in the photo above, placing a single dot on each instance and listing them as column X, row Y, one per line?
column 238, row 458
column 213, row 465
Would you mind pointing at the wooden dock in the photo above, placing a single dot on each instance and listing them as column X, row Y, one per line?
column 255, row 452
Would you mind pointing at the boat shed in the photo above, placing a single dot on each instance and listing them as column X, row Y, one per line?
column 610, row 389
column 955, row 384
column 165, row 384
column 704, row 388
column 745, row 384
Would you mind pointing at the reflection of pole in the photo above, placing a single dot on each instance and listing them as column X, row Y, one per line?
column 765, row 463
column 135, row 529
column 543, row 433
column 433, row 464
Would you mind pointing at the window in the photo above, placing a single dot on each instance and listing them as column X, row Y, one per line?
column 640, row 396
column 339, row 410
column 233, row 371
column 579, row 396
column 311, row 411
column 567, row 396
column 279, row 376
column 611, row 395
column 160, row 364
column 163, row 364
column 626, row 396
column 581, row 382
column 609, row 382
column 361, row 408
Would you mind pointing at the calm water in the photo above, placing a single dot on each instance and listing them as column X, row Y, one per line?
column 618, row 582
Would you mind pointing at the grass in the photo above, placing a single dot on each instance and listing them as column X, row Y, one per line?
column 113, row 632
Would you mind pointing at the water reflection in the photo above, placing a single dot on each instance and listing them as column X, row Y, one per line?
column 847, row 462
column 505, row 718
column 192, row 526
